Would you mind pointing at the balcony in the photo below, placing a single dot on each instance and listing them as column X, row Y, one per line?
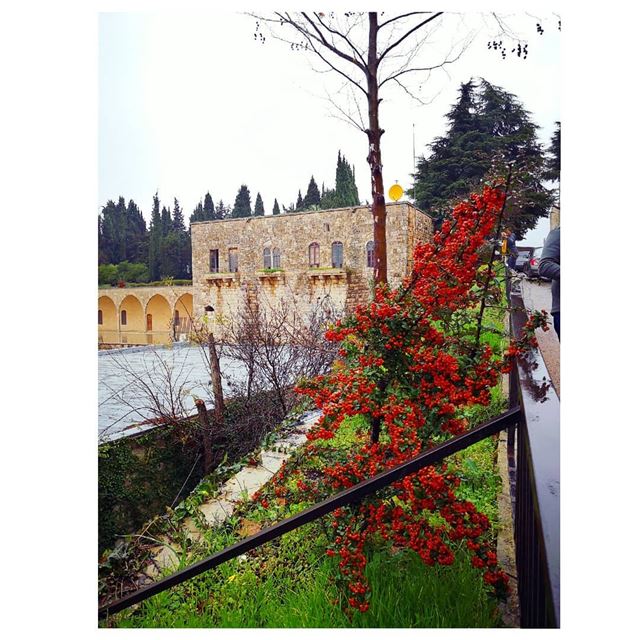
column 224, row 278
column 327, row 273
column 271, row 275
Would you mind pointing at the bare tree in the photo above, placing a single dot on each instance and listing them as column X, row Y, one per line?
column 368, row 53
column 281, row 342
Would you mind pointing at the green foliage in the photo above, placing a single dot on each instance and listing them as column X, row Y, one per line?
column 489, row 129
column 108, row 274
column 138, row 476
column 259, row 208
column 299, row 202
column 208, row 209
column 242, row 204
column 552, row 162
column 345, row 193
column 312, row 198
column 276, row 207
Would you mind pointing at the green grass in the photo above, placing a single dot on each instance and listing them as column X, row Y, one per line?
column 290, row 584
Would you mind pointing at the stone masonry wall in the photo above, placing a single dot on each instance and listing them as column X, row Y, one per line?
column 292, row 234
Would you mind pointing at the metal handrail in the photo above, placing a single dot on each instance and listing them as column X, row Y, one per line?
column 352, row 495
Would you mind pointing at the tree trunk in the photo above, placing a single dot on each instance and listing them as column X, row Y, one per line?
column 216, row 383
column 374, row 158
column 205, row 425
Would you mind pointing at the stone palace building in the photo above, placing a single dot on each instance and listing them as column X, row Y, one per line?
column 310, row 258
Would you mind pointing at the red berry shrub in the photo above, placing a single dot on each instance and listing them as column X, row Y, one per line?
column 409, row 362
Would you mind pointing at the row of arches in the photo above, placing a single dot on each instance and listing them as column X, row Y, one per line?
column 131, row 320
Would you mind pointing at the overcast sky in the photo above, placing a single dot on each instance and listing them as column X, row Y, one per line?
column 190, row 103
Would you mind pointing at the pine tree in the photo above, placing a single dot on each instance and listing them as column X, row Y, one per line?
column 312, row 199
column 299, row 202
column 276, row 208
column 155, row 239
column 259, row 208
column 242, row 205
column 209, row 210
column 488, row 130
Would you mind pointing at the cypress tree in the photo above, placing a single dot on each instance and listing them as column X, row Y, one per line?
column 177, row 223
column 259, row 209
column 137, row 250
column 198, row 213
column 209, row 210
column 276, row 207
column 155, row 238
column 165, row 221
column 299, row 202
column 312, row 199
column 242, row 204
column 222, row 211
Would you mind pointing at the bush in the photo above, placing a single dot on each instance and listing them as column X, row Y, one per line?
column 107, row 274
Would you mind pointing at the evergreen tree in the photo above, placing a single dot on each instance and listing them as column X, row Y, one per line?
column 155, row 239
column 165, row 221
column 552, row 161
column 137, row 242
column 488, row 130
column 177, row 222
column 259, row 209
column 299, row 202
column 242, row 205
column 198, row 213
column 222, row 211
column 276, row 207
column 312, row 199
column 209, row 210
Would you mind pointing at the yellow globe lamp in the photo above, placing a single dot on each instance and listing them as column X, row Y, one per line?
column 396, row 192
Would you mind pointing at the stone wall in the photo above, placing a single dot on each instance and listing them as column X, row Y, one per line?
column 292, row 234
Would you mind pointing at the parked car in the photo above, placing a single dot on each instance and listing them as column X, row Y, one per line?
column 523, row 257
column 532, row 265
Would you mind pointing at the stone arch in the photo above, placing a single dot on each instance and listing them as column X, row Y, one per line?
column 158, row 314
column 133, row 330
column 107, row 320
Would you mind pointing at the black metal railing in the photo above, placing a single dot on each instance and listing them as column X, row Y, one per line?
column 532, row 422
column 536, row 495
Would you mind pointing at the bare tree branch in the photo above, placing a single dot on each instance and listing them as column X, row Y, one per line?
column 407, row 34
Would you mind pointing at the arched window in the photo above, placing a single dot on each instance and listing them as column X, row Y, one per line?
column 123, row 317
column 336, row 255
column 314, row 254
column 369, row 250
column 99, row 316
column 266, row 257
column 276, row 258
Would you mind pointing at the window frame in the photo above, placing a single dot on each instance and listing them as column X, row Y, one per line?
column 369, row 250
column 314, row 252
column 212, row 253
column 233, row 264
column 335, row 245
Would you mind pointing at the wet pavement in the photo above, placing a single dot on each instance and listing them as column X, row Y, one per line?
column 537, row 295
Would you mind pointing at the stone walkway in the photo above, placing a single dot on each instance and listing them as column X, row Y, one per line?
column 237, row 489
